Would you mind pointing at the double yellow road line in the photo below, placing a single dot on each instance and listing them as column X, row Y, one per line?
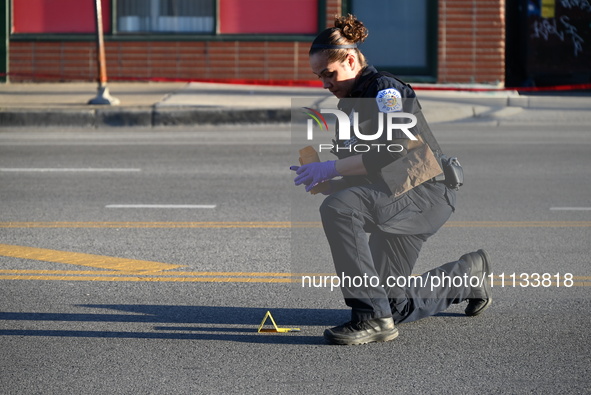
column 121, row 269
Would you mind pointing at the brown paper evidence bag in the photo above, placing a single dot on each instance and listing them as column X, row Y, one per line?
column 417, row 166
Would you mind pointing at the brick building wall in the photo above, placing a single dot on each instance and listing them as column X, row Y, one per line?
column 142, row 60
column 471, row 48
column 471, row 41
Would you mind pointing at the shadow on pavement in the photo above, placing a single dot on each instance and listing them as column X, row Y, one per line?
column 190, row 323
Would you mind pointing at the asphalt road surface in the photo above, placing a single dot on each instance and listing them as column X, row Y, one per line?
column 142, row 261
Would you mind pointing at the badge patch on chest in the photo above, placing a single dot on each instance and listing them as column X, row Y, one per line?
column 389, row 100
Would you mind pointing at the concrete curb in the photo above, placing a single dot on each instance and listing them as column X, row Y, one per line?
column 183, row 116
column 142, row 117
column 80, row 118
column 162, row 116
column 438, row 108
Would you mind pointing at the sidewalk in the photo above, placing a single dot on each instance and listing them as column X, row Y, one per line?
column 172, row 104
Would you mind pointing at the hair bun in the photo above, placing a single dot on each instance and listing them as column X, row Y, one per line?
column 351, row 28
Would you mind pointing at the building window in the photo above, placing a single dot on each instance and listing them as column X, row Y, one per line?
column 402, row 35
column 166, row 16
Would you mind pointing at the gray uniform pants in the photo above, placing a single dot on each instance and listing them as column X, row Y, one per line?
column 397, row 227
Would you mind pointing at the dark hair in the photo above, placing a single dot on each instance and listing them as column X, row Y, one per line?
column 338, row 40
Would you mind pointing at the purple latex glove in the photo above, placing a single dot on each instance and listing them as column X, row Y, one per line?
column 314, row 173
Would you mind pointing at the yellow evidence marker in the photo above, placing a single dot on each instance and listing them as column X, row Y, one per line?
column 275, row 328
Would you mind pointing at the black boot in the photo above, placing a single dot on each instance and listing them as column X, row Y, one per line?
column 481, row 296
column 376, row 330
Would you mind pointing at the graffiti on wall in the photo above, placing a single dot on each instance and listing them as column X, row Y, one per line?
column 560, row 35
column 560, row 28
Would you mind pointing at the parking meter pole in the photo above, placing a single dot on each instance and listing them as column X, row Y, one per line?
column 103, row 95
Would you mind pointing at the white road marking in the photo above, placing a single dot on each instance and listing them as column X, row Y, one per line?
column 570, row 208
column 166, row 206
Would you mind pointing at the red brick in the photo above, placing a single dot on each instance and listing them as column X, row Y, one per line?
column 474, row 34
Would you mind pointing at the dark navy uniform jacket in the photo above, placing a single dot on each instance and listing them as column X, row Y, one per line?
column 380, row 94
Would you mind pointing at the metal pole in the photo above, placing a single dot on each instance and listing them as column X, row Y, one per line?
column 103, row 96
